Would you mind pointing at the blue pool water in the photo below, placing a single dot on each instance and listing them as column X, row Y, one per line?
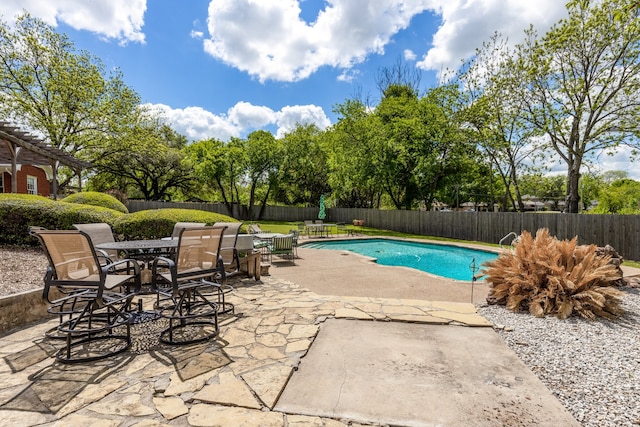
column 442, row 260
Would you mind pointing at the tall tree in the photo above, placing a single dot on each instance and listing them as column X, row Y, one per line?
column 147, row 161
column 583, row 85
column 262, row 151
column 303, row 170
column 218, row 167
column 50, row 88
column 419, row 141
column 348, row 144
column 496, row 115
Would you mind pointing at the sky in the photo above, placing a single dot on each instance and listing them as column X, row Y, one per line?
column 223, row 68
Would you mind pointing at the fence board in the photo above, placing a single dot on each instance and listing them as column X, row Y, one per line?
column 620, row 231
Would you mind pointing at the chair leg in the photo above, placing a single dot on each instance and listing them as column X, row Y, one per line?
column 87, row 332
column 194, row 313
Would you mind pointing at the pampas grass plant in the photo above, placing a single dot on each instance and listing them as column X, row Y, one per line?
column 547, row 276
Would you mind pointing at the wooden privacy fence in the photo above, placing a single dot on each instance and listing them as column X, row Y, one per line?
column 620, row 231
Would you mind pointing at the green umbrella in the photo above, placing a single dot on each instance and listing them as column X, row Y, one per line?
column 322, row 214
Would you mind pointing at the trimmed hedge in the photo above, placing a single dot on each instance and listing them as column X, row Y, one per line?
column 95, row 198
column 20, row 211
column 158, row 223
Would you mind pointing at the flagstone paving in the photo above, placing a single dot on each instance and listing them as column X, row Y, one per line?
column 234, row 380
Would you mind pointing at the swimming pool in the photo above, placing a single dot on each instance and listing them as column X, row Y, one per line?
column 442, row 260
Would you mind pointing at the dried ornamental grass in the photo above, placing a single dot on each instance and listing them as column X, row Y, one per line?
column 545, row 275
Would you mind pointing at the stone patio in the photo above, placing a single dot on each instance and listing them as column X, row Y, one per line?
column 232, row 381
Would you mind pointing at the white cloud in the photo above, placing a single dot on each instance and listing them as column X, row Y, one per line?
column 197, row 124
column 269, row 40
column 247, row 116
column 290, row 116
column 467, row 23
column 121, row 20
column 196, row 34
column 409, row 55
column 619, row 161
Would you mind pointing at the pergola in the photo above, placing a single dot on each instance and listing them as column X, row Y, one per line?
column 18, row 147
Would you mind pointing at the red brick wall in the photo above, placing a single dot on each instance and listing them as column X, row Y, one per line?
column 41, row 176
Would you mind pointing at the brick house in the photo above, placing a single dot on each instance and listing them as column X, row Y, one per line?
column 33, row 162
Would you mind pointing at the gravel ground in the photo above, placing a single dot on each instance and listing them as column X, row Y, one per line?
column 592, row 367
column 21, row 269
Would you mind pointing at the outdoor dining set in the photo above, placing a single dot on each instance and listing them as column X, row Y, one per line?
column 92, row 282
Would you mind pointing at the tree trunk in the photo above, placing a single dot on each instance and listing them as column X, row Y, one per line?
column 573, row 185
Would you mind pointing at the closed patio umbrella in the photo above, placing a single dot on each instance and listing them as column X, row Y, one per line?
column 322, row 214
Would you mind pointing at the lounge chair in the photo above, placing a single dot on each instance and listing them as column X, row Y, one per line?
column 256, row 229
column 94, row 300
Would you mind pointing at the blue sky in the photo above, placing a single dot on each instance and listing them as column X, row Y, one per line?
column 222, row 68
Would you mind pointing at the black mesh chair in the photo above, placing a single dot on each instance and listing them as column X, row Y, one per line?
column 92, row 300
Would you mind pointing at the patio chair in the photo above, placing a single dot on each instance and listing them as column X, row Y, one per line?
column 100, row 232
column 296, row 237
column 309, row 228
column 324, row 230
column 178, row 226
column 256, row 229
column 281, row 245
column 228, row 250
column 187, row 287
column 93, row 300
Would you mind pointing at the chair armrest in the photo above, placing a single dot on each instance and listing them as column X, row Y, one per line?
column 102, row 254
column 129, row 263
column 160, row 263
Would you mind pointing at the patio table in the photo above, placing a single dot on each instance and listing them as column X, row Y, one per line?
column 145, row 250
column 322, row 229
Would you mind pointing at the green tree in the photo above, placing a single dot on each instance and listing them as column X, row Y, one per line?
column 619, row 197
column 52, row 89
column 419, row 143
column 348, row 144
column 147, row 161
column 448, row 152
column 303, row 170
column 218, row 167
column 262, row 151
column 496, row 116
column 583, row 85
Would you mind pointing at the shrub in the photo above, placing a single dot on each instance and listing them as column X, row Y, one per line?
column 96, row 198
column 158, row 223
column 20, row 211
column 546, row 276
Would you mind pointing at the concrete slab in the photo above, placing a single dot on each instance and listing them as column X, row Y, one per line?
column 393, row 373
column 349, row 274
